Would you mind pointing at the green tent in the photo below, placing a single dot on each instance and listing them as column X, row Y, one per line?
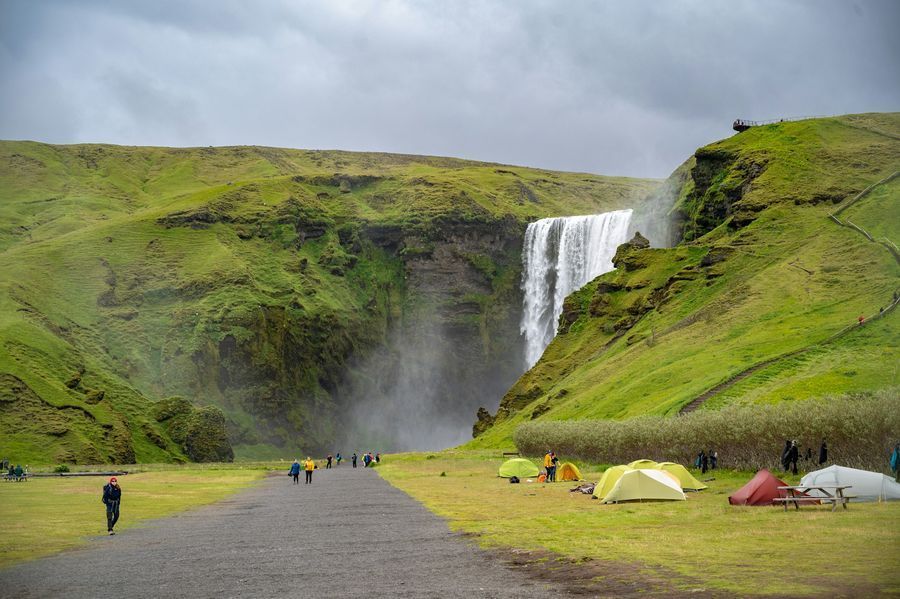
column 519, row 467
column 687, row 480
column 643, row 464
column 609, row 479
column 644, row 485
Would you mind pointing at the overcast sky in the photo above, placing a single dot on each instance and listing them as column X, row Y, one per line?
column 625, row 87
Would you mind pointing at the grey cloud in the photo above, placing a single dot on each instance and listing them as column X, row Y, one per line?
column 620, row 88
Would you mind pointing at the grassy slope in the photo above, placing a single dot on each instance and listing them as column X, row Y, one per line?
column 92, row 279
column 705, row 542
column 788, row 278
column 48, row 515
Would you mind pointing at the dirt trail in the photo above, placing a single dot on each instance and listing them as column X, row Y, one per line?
column 349, row 534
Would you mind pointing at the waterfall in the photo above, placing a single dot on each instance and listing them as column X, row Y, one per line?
column 559, row 256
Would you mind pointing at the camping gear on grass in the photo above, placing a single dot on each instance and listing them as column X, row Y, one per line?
column 866, row 486
column 608, row 480
column 568, row 471
column 586, row 488
column 519, row 467
column 685, row 478
column 645, row 485
column 761, row 490
column 642, row 464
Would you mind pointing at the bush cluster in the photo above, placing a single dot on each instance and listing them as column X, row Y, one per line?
column 861, row 430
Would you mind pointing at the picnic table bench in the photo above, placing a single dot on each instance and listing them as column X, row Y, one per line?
column 797, row 494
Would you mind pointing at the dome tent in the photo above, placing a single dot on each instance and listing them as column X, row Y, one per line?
column 568, row 471
column 762, row 489
column 685, row 478
column 643, row 464
column 865, row 485
column 645, row 485
column 609, row 479
column 519, row 467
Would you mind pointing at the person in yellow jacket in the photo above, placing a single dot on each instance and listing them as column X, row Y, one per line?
column 550, row 466
column 309, row 465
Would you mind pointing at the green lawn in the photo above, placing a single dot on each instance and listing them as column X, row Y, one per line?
column 48, row 515
column 704, row 541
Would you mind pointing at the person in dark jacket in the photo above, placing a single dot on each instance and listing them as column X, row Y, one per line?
column 295, row 472
column 784, row 454
column 823, row 453
column 328, row 461
column 713, row 459
column 353, row 459
column 112, row 496
column 792, row 457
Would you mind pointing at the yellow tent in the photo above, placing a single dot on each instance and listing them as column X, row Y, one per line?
column 568, row 471
column 642, row 464
column 643, row 485
column 609, row 479
column 685, row 478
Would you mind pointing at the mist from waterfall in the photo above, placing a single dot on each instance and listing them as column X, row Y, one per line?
column 559, row 256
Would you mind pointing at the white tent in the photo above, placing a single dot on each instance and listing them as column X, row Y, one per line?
column 639, row 485
column 867, row 486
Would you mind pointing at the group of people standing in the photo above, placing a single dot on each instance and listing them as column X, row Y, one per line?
column 790, row 455
column 550, row 464
column 308, row 466
column 707, row 461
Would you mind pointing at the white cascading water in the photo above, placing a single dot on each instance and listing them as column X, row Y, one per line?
column 560, row 256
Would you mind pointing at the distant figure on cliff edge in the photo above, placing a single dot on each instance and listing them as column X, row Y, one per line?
column 295, row 472
column 338, row 458
column 328, row 462
column 895, row 462
column 112, row 496
column 309, row 466
column 353, row 459
column 823, row 453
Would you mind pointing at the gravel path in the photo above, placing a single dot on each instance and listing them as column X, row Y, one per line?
column 349, row 534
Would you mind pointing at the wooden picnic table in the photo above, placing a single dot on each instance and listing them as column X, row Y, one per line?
column 797, row 494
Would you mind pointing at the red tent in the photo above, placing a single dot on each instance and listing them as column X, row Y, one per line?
column 761, row 490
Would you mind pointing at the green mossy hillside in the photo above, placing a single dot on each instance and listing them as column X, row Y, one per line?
column 246, row 278
column 763, row 277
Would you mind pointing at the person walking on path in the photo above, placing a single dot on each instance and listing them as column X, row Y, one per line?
column 548, row 465
column 295, row 472
column 377, row 458
column 895, row 462
column 353, row 459
column 823, row 453
column 337, row 459
column 309, row 466
column 112, row 496
column 328, row 462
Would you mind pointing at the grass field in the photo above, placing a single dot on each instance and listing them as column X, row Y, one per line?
column 703, row 542
column 48, row 515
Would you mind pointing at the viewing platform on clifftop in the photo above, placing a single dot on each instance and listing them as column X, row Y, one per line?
column 744, row 124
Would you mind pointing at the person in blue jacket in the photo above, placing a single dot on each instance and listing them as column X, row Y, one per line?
column 895, row 462
column 295, row 472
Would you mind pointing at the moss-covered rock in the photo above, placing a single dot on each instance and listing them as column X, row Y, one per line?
column 207, row 437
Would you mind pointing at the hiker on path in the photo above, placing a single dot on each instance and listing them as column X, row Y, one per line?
column 792, row 457
column 895, row 462
column 295, row 472
column 353, row 459
column 328, row 462
column 548, row 465
column 337, row 459
column 309, row 466
column 112, row 496
column 823, row 453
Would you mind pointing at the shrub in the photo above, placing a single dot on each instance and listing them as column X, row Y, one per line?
column 61, row 468
column 860, row 429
